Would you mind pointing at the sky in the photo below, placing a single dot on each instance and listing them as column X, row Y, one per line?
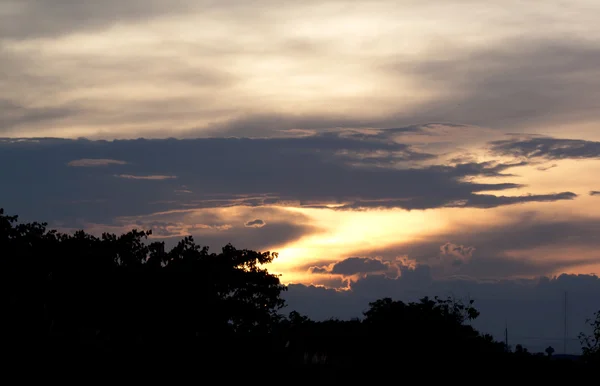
column 382, row 148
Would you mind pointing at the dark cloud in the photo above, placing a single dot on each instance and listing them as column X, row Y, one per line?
column 532, row 308
column 546, row 148
column 358, row 266
column 150, row 177
column 324, row 168
column 544, row 168
column 595, row 193
column 258, row 223
column 355, row 265
column 87, row 162
column 472, row 201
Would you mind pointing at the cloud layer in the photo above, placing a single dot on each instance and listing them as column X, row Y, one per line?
column 547, row 148
column 349, row 169
column 268, row 67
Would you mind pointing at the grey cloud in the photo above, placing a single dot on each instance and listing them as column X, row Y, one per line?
column 595, row 193
column 258, row 223
column 319, row 270
column 43, row 18
column 150, row 177
column 489, row 201
column 31, row 75
column 25, row 19
column 14, row 115
column 546, row 148
column 468, row 201
column 212, row 227
column 532, row 308
column 310, row 171
column 357, row 265
column 273, row 125
column 509, row 84
column 276, row 234
column 87, row 162
column 544, row 168
column 458, row 253
column 354, row 265
column 164, row 229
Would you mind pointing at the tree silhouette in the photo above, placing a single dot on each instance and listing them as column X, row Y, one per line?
column 119, row 299
column 118, row 289
column 591, row 342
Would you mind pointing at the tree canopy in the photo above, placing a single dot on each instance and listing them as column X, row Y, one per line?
column 122, row 289
column 123, row 298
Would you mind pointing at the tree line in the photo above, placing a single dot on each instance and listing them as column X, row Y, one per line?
column 119, row 299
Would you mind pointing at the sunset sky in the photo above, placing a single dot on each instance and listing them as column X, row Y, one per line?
column 399, row 146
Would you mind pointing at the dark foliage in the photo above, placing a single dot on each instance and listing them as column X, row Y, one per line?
column 116, row 302
column 114, row 294
column 591, row 342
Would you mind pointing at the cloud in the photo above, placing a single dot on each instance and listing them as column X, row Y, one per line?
column 447, row 81
column 354, row 265
column 151, row 177
column 212, row 227
column 546, row 148
column 309, row 171
column 458, row 253
column 595, row 193
column 544, row 168
column 15, row 114
column 31, row 19
column 87, row 162
column 515, row 244
column 228, row 225
column 319, row 270
column 473, row 201
column 258, row 223
column 162, row 229
column 47, row 18
column 532, row 308
column 353, row 268
column 510, row 84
